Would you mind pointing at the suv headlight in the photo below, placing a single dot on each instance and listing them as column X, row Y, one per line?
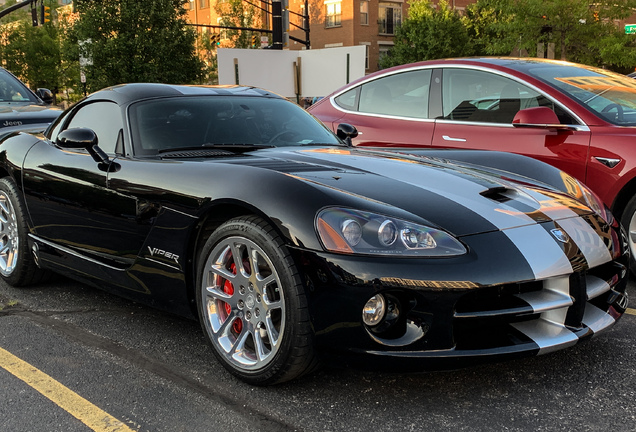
column 358, row 232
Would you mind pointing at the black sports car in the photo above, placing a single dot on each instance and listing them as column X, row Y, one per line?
column 234, row 205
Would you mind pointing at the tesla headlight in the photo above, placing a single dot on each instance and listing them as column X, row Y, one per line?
column 358, row 232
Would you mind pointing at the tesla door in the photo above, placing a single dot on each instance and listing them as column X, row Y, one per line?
column 478, row 109
column 390, row 111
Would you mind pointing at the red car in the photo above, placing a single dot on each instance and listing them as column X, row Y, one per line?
column 578, row 118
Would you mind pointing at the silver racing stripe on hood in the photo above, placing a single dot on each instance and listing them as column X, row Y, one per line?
column 541, row 251
column 588, row 240
column 460, row 185
column 545, row 255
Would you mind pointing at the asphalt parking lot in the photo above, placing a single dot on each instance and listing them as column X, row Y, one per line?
column 106, row 364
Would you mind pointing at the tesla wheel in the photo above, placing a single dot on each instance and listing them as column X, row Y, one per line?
column 252, row 304
column 628, row 220
column 17, row 266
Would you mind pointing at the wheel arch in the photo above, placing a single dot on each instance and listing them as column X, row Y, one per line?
column 623, row 197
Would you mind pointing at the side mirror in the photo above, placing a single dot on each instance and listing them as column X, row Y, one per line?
column 82, row 138
column 45, row 94
column 346, row 132
column 539, row 117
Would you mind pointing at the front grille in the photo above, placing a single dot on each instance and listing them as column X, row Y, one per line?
column 554, row 311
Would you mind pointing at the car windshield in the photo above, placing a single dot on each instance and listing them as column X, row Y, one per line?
column 611, row 96
column 11, row 90
column 220, row 120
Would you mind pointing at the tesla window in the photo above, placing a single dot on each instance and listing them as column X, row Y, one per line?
column 478, row 96
column 402, row 95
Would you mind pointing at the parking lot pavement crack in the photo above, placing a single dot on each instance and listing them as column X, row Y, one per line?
column 264, row 421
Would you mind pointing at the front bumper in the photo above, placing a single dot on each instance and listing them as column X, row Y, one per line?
column 460, row 311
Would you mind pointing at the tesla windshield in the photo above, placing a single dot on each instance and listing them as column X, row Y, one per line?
column 609, row 95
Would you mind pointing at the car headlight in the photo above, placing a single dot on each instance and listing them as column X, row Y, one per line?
column 358, row 232
column 592, row 200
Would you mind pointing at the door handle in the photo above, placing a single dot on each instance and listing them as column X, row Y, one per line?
column 447, row 138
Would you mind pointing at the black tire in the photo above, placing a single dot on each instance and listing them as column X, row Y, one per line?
column 256, row 322
column 17, row 265
column 628, row 220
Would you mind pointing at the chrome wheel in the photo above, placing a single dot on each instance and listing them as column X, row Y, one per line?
column 631, row 234
column 243, row 303
column 9, row 238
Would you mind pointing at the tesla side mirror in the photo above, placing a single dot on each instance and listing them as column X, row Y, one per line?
column 346, row 132
column 539, row 117
column 82, row 138
column 45, row 94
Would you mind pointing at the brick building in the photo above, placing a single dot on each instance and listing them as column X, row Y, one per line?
column 336, row 23
column 333, row 23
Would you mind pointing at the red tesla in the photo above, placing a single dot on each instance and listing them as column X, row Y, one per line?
column 578, row 118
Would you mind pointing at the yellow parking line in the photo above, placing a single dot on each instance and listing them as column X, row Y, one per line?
column 630, row 311
column 74, row 404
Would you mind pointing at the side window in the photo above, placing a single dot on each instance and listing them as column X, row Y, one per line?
column 403, row 94
column 478, row 96
column 348, row 100
column 105, row 119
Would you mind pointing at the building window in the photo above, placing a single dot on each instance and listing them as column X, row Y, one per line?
column 390, row 17
column 383, row 51
column 333, row 14
column 364, row 12
column 203, row 4
column 191, row 6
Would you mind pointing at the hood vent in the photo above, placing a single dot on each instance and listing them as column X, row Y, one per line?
column 197, row 154
column 500, row 194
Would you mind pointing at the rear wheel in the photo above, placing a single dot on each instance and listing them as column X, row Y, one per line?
column 17, row 265
column 252, row 304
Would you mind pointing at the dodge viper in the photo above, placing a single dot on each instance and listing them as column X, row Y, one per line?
column 293, row 248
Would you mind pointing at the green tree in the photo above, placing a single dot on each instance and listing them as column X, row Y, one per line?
column 582, row 31
column 488, row 23
column 132, row 41
column 236, row 13
column 33, row 54
column 429, row 33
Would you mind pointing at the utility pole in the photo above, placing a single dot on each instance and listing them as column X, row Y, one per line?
column 277, row 24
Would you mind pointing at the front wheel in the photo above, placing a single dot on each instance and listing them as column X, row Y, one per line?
column 17, row 265
column 252, row 304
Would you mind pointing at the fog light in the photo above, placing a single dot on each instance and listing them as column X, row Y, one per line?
column 374, row 311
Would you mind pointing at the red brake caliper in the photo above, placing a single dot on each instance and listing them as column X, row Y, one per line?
column 228, row 288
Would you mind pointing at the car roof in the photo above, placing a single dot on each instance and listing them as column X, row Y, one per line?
column 128, row 93
column 518, row 64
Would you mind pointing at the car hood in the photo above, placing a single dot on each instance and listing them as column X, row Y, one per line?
column 461, row 198
column 19, row 114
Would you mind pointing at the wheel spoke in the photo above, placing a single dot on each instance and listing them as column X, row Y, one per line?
column 224, row 330
column 220, row 270
column 4, row 209
column 272, row 332
column 236, row 256
column 260, row 346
